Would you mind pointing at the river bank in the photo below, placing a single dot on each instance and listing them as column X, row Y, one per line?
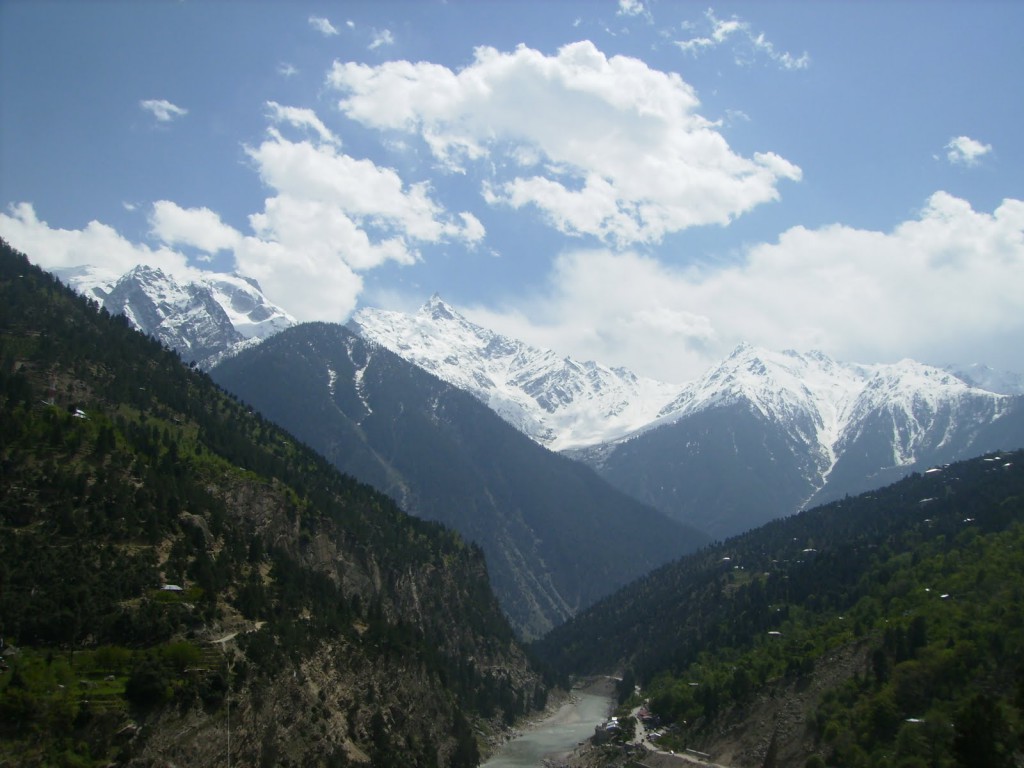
column 551, row 738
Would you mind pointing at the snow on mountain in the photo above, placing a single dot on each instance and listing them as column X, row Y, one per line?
column 204, row 318
column 809, row 392
column 981, row 376
column 248, row 309
column 764, row 434
column 88, row 280
column 568, row 405
column 557, row 401
column 827, row 404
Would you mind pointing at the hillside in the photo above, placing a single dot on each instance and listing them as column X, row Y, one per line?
column 557, row 537
column 181, row 581
column 884, row 629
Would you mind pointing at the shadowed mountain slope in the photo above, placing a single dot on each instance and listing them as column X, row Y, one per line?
column 556, row 536
column 180, row 577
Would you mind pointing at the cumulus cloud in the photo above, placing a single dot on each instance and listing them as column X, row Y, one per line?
column 746, row 44
column 322, row 25
column 964, row 150
column 941, row 287
column 330, row 217
column 606, row 147
column 162, row 109
column 199, row 228
column 390, row 214
column 95, row 244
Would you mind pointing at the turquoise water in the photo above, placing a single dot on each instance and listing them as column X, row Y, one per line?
column 558, row 735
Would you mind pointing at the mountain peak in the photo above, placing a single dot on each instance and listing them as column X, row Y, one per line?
column 146, row 271
column 437, row 309
column 203, row 315
column 554, row 399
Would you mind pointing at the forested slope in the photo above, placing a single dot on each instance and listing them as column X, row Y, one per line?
column 886, row 629
column 179, row 577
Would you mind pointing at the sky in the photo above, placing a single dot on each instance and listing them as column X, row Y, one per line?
column 643, row 183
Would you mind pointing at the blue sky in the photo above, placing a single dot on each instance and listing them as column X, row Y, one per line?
column 641, row 183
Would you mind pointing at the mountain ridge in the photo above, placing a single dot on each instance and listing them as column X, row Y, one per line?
column 833, row 427
column 556, row 536
column 556, row 400
column 204, row 318
column 863, row 631
column 808, row 428
column 801, row 424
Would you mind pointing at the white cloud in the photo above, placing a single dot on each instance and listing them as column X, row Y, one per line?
column 943, row 287
column 311, row 284
column 196, row 227
column 301, row 118
column 322, row 25
column 286, row 69
column 384, row 37
column 614, row 149
column 630, row 8
column 375, row 199
column 163, row 110
column 747, row 44
column 329, row 218
column 964, row 150
column 95, row 244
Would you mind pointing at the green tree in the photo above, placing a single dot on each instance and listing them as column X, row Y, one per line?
column 982, row 735
column 148, row 685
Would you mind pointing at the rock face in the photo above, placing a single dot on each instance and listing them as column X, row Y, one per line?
column 203, row 319
column 359, row 698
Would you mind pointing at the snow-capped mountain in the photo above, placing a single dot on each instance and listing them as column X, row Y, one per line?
column 559, row 402
column 764, row 434
column 982, row 376
column 203, row 319
column 760, row 435
column 827, row 404
column 556, row 536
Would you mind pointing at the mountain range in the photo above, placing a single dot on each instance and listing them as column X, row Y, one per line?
column 763, row 435
column 879, row 627
column 760, row 435
column 556, row 536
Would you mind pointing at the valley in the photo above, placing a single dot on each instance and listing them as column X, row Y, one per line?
column 460, row 384
column 176, row 563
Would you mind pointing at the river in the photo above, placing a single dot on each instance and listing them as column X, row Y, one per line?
column 558, row 733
